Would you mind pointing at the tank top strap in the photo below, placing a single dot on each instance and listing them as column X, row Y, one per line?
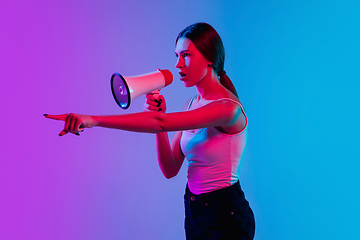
column 210, row 101
column 232, row 100
column 190, row 102
column 241, row 107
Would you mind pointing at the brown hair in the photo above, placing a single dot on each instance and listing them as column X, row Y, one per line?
column 208, row 42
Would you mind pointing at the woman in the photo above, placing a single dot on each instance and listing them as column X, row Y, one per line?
column 210, row 133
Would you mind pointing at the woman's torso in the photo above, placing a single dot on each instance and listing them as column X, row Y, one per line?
column 213, row 156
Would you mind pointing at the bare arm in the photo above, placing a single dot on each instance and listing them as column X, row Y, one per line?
column 220, row 113
column 170, row 156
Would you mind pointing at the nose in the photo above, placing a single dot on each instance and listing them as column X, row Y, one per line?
column 179, row 62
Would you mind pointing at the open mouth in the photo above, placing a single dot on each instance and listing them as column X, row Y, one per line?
column 182, row 75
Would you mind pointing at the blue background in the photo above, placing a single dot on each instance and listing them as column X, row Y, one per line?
column 295, row 65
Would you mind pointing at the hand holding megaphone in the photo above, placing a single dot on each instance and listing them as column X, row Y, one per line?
column 126, row 89
column 155, row 102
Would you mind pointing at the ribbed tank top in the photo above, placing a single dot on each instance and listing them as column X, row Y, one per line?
column 213, row 157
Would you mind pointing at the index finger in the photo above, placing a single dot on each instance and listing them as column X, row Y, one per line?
column 61, row 117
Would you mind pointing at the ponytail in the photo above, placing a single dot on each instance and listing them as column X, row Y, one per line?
column 227, row 83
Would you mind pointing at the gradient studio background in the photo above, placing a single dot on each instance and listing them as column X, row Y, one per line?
column 295, row 65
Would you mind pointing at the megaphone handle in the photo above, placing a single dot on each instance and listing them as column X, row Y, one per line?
column 156, row 93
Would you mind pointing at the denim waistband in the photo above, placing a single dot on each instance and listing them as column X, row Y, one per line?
column 231, row 191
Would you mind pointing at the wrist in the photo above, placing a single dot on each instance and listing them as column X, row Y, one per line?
column 94, row 120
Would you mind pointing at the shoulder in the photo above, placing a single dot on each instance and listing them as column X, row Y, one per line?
column 227, row 106
column 227, row 97
column 232, row 103
column 233, row 110
column 231, row 107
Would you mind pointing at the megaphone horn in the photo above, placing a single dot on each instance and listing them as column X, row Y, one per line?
column 126, row 89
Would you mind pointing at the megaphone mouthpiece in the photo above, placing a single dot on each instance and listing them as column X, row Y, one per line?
column 167, row 75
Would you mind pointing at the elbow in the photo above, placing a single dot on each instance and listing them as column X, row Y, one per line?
column 159, row 129
column 169, row 176
column 160, row 124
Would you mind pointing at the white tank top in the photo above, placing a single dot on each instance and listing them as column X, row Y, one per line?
column 213, row 157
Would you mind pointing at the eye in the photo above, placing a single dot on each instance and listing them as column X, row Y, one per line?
column 186, row 55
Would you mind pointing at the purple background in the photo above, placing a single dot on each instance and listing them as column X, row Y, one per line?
column 296, row 68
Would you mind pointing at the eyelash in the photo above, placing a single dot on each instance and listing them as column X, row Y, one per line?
column 184, row 55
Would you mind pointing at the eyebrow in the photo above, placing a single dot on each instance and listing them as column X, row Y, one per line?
column 187, row 50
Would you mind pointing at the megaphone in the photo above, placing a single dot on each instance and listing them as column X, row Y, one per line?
column 126, row 89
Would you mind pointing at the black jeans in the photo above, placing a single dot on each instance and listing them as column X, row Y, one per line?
column 221, row 214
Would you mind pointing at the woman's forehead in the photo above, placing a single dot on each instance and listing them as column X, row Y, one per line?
column 184, row 44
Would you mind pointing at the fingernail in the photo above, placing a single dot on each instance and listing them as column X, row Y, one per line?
column 77, row 134
column 62, row 133
column 45, row 115
column 156, row 101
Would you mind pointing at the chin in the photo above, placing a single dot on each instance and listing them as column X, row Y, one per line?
column 187, row 85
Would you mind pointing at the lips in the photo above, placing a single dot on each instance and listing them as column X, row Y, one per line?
column 182, row 75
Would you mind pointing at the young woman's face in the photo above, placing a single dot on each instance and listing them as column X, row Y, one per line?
column 192, row 65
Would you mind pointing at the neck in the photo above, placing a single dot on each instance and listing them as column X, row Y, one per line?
column 208, row 86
